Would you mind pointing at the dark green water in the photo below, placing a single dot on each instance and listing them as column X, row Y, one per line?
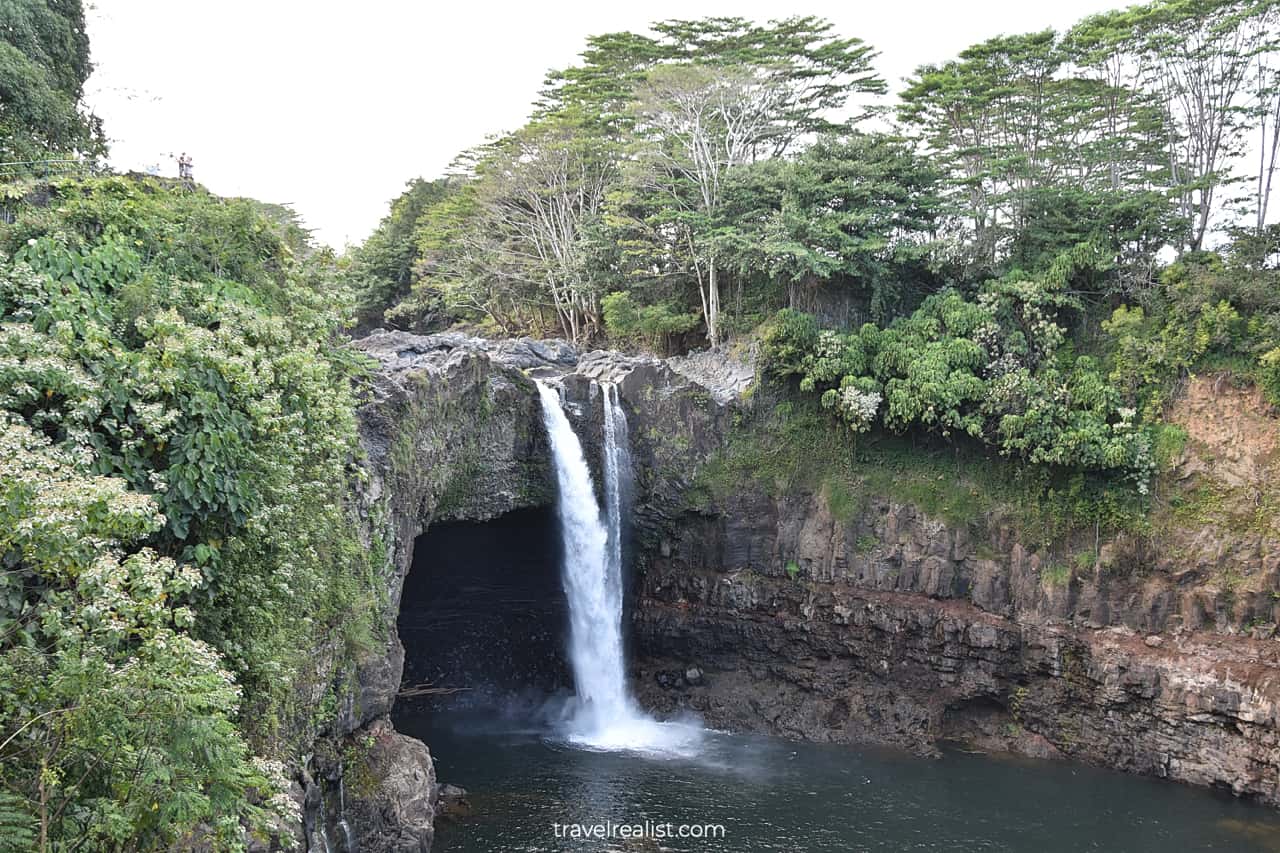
column 773, row 795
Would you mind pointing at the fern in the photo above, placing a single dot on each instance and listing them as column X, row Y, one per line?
column 17, row 825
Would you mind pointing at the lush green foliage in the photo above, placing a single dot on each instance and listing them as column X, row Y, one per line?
column 176, row 412
column 789, row 447
column 989, row 368
column 382, row 267
column 44, row 61
column 177, row 569
column 1205, row 314
column 855, row 210
column 607, row 190
column 1000, row 367
column 698, row 169
column 1026, row 147
column 118, row 722
column 650, row 324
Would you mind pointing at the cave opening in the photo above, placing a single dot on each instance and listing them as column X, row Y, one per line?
column 483, row 616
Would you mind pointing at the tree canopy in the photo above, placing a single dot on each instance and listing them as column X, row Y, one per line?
column 724, row 168
column 44, row 62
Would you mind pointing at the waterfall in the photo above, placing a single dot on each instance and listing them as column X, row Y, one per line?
column 605, row 716
column 595, row 596
column 617, row 468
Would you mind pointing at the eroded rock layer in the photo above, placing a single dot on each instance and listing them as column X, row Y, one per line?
column 911, row 637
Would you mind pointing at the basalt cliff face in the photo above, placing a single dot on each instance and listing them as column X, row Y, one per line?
column 914, row 638
column 777, row 612
column 1154, row 654
column 448, row 433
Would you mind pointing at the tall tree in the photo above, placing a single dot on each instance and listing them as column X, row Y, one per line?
column 851, row 215
column 521, row 231
column 1265, row 111
column 599, row 90
column 820, row 72
column 1201, row 53
column 382, row 266
column 733, row 93
column 704, row 121
column 986, row 117
column 1197, row 58
column 1017, row 125
column 44, row 62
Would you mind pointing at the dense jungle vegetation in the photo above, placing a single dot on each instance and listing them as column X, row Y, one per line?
column 175, row 408
column 1023, row 250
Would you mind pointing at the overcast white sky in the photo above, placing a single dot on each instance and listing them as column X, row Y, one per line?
column 332, row 106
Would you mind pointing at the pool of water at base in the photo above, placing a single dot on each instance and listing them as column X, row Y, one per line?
column 530, row 792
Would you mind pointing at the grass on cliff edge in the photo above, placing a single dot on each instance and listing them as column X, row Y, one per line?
column 794, row 447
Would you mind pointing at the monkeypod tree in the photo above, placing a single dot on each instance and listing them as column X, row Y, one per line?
column 852, row 215
column 1206, row 64
column 518, row 235
column 1018, row 129
column 731, row 94
column 382, row 267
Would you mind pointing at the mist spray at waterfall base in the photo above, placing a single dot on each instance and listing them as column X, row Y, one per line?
column 604, row 715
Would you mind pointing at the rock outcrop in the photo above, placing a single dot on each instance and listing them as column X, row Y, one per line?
column 448, row 432
column 391, row 791
column 451, row 429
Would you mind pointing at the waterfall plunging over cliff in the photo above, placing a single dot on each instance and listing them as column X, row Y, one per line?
column 595, row 598
column 617, row 469
column 605, row 717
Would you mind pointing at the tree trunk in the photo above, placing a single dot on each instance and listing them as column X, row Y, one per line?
column 1267, row 167
column 713, row 304
column 44, row 807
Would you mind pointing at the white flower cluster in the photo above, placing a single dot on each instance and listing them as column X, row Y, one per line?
column 283, row 806
column 829, row 345
column 1005, row 365
column 859, row 407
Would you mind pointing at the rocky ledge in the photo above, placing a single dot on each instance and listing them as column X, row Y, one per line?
column 891, row 627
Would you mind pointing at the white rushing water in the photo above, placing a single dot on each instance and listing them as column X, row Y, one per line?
column 617, row 467
column 605, row 716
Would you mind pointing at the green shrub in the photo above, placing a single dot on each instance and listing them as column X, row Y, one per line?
column 627, row 321
column 1056, row 574
column 1205, row 315
column 989, row 369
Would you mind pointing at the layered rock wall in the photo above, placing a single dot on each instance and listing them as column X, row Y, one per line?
column 892, row 627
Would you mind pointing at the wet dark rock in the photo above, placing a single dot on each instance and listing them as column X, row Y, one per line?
column 918, row 640
column 390, row 790
column 452, row 802
column 530, row 354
